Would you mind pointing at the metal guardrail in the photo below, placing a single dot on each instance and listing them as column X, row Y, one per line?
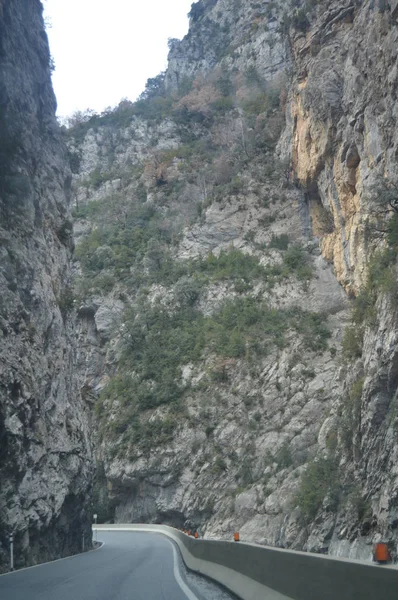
column 256, row 572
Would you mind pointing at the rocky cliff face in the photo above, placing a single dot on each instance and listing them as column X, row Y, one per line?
column 341, row 138
column 44, row 441
column 237, row 279
column 341, row 121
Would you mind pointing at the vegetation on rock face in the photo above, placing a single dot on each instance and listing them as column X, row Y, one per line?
column 299, row 17
column 323, row 479
column 351, row 412
column 199, row 328
column 382, row 279
column 352, row 342
column 319, row 481
column 157, row 344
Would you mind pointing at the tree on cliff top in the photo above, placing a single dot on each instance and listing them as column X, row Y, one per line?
column 154, row 87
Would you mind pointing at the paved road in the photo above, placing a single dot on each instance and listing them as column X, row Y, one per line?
column 130, row 566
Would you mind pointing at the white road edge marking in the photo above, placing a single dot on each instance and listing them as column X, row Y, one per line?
column 188, row 592
column 50, row 562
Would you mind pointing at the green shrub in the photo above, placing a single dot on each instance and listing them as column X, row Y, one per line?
column 96, row 178
column 319, row 480
column 154, row 87
column 382, row 279
column 149, row 434
column 236, row 186
column 281, row 242
column 245, row 472
column 142, row 232
column 234, row 346
column 253, row 77
column 300, row 20
column 187, row 291
column 361, row 505
column 364, row 309
column 257, row 105
column 382, row 276
column 65, row 300
column 284, row 457
column 312, row 328
column 355, row 393
column 224, row 84
column 296, row 260
column 392, row 231
column 223, row 105
column 351, row 414
column 75, row 159
column 89, row 210
column 352, row 342
column 232, row 265
column 219, row 465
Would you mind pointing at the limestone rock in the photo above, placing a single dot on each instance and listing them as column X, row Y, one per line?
column 45, row 450
column 250, row 432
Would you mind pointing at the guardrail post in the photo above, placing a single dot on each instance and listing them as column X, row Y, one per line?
column 11, row 551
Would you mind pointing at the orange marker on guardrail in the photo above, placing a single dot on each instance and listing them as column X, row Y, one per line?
column 196, row 535
column 381, row 554
column 236, row 537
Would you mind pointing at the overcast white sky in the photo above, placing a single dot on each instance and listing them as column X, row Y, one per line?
column 105, row 51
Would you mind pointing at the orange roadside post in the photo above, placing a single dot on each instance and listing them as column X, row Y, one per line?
column 196, row 535
column 236, row 537
column 381, row 553
column 189, row 532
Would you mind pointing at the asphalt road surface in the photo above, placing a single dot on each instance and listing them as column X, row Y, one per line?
column 130, row 566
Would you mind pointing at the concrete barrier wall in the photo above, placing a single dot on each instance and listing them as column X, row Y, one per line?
column 261, row 573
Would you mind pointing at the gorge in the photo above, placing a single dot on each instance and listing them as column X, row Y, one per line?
column 219, row 351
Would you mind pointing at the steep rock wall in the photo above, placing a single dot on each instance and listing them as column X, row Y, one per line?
column 297, row 446
column 341, row 139
column 44, row 440
column 228, row 449
column 341, row 123
column 239, row 33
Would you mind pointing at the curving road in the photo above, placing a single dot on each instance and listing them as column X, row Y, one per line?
column 130, row 566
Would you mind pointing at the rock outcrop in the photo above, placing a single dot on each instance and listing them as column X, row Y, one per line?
column 45, row 472
column 341, row 137
column 341, row 122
